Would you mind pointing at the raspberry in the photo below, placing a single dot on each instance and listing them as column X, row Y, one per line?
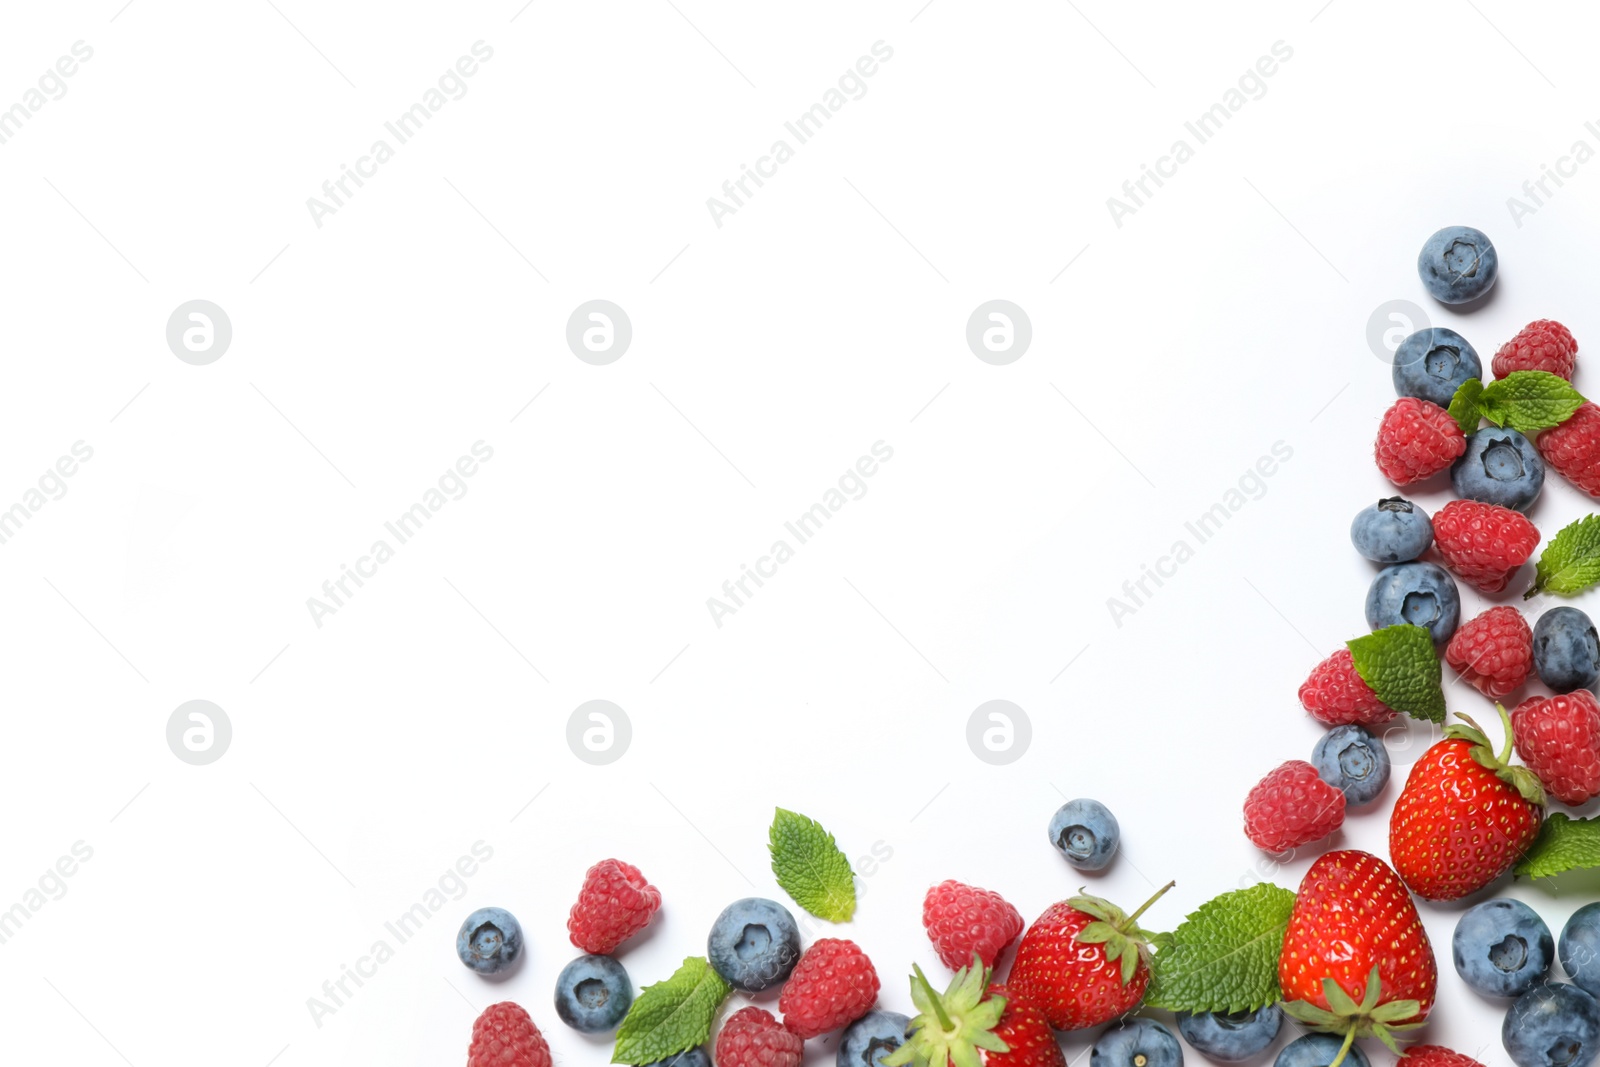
column 1435, row 1055
column 1417, row 440
column 1572, row 449
column 1559, row 739
column 504, row 1036
column 753, row 1038
column 831, row 987
column 1290, row 807
column 614, row 904
column 1541, row 345
column 1483, row 543
column 962, row 919
column 1335, row 695
column 1494, row 652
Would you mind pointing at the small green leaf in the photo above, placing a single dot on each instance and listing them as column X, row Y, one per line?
column 672, row 1016
column 1563, row 844
column 1224, row 956
column 1401, row 666
column 1570, row 563
column 810, row 868
column 1529, row 400
column 1465, row 407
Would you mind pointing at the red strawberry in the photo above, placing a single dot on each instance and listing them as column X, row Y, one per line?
column 974, row 1022
column 1084, row 961
column 1541, row 345
column 504, row 1036
column 1483, row 543
column 1559, row 739
column 961, row 919
column 1356, row 960
column 1290, row 807
column 1493, row 651
column 614, row 904
column 753, row 1038
column 832, row 986
column 1573, row 449
column 1417, row 440
column 1435, row 1056
column 1335, row 695
column 1465, row 815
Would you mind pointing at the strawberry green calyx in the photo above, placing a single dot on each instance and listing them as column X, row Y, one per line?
column 1366, row 1019
column 951, row 1028
column 1121, row 934
column 1519, row 778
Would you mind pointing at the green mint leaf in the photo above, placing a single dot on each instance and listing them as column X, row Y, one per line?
column 1224, row 956
column 1563, row 844
column 1570, row 563
column 1400, row 665
column 671, row 1016
column 810, row 867
column 1529, row 400
column 1465, row 406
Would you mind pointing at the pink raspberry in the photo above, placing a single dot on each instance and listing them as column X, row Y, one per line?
column 1494, row 652
column 1572, row 449
column 1417, row 440
column 962, row 919
column 614, row 904
column 1290, row 807
column 832, row 986
column 1559, row 739
column 1335, row 694
column 1483, row 543
column 1541, row 345
column 504, row 1036
column 753, row 1038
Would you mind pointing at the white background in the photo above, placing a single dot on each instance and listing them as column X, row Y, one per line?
column 1229, row 313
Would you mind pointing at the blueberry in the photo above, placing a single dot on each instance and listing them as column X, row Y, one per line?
column 1458, row 264
column 1318, row 1050
column 593, row 994
column 872, row 1037
column 1566, row 650
column 490, row 941
column 695, row 1057
column 1419, row 593
column 1431, row 364
column 1231, row 1038
column 754, row 944
column 1502, row 948
column 1353, row 761
column 1137, row 1043
column 1580, row 948
column 1499, row 467
column 1393, row 530
column 1086, row 833
column 1552, row 1026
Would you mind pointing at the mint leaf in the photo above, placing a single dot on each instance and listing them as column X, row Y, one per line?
column 1400, row 665
column 1529, row 400
column 810, row 867
column 671, row 1016
column 1570, row 563
column 1563, row 844
column 1224, row 956
column 1466, row 407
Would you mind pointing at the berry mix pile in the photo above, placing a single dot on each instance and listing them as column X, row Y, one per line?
column 1345, row 956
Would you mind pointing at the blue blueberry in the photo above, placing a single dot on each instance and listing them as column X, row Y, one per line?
column 1137, row 1043
column 1393, row 530
column 754, row 944
column 1318, row 1050
column 1552, row 1026
column 872, row 1037
column 1086, row 833
column 1502, row 948
column 1458, row 264
column 1353, row 761
column 490, row 941
column 1566, row 650
column 1419, row 593
column 1499, row 467
column 593, row 994
column 1432, row 364
column 1231, row 1038
column 1580, row 948
column 695, row 1057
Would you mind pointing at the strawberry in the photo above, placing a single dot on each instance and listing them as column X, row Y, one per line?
column 1355, row 959
column 1465, row 816
column 1084, row 961
column 975, row 1022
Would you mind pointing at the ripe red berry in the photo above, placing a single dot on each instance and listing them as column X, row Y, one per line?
column 1290, row 807
column 1417, row 440
column 1493, row 652
column 1483, row 543
column 1435, row 1056
column 504, row 1036
column 1541, row 345
column 1572, row 449
column 832, row 986
column 753, row 1038
column 1559, row 739
column 1335, row 694
column 962, row 919
column 614, row 904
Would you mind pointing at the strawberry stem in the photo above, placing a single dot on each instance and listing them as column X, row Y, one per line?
column 1344, row 1050
column 1145, row 906
column 933, row 997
